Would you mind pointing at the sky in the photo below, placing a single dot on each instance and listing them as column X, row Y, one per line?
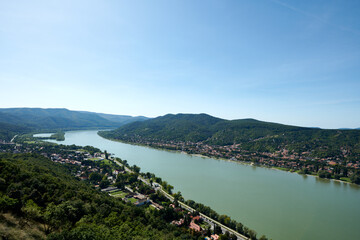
column 286, row 61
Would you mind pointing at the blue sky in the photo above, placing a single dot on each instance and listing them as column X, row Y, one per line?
column 292, row 62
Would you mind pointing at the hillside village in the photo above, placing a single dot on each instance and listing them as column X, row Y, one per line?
column 330, row 167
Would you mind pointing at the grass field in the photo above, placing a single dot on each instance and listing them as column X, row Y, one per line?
column 132, row 200
column 345, row 179
column 118, row 194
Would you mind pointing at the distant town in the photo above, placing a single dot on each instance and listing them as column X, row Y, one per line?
column 283, row 159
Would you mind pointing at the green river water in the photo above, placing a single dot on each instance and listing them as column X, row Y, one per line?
column 281, row 205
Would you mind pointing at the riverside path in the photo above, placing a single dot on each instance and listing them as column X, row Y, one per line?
column 187, row 207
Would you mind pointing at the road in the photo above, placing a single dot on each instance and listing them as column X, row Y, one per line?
column 13, row 138
column 208, row 219
column 190, row 209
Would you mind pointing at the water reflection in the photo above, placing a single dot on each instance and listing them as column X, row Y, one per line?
column 353, row 186
column 322, row 180
column 305, row 176
column 337, row 183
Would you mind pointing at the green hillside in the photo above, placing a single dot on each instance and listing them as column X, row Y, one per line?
column 250, row 134
column 39, row 198
column 8, row 131
column 38, row 119
column 180, row 127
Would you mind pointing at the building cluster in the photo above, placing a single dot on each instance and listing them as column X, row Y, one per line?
column 283, row 158
column 82, row 159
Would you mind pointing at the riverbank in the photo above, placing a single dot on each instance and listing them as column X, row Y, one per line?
column 229, row 160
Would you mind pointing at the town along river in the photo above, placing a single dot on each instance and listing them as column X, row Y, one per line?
column 279, row 204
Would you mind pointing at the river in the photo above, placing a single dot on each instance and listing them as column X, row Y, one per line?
column 279, row 204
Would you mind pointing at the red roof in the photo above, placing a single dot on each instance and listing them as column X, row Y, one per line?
column 195, row 226
column 215, row 237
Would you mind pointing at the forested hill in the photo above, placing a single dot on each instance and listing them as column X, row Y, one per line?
column 180, row 127
column 8, row 131
column 40, row 199
column 250, row 134
column 60, row 118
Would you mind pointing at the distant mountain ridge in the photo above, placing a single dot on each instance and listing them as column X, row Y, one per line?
column 251, row 134
column 196, row 127
column 123, row 119
column 59, row 118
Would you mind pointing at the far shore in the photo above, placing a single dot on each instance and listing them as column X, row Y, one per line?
column 225, row 159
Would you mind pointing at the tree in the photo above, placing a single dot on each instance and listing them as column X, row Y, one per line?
column 54, row 217
column 355, row 178
column 2, row 184
column 136, row 168
column 252, row 234
column 178, row 196
column 225, row 236
column 239, row 227
column 324, row 174
column 95, row 177
column 31, row 210
column 217, row 229
column 7, row 203
column 119, row 185
column 132, row 178
column 104, row 183
column 304, row 171
column 233, row 237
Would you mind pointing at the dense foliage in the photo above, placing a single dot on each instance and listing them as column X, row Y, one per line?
column 252, row 135
column 42, row 192
column 8, row 130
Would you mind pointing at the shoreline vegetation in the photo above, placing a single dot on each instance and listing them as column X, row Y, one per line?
column 58, row 136
column 77, row 159
column 249, row 162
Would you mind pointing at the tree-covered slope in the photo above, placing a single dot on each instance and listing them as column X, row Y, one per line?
column 8, row 131
column 60, row 118
column 180, row 127
column 252, row 135
column 42, row 193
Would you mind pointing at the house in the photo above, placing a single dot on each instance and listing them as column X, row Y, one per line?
column 215, row 237
column 178, row 223
column 195, row 227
